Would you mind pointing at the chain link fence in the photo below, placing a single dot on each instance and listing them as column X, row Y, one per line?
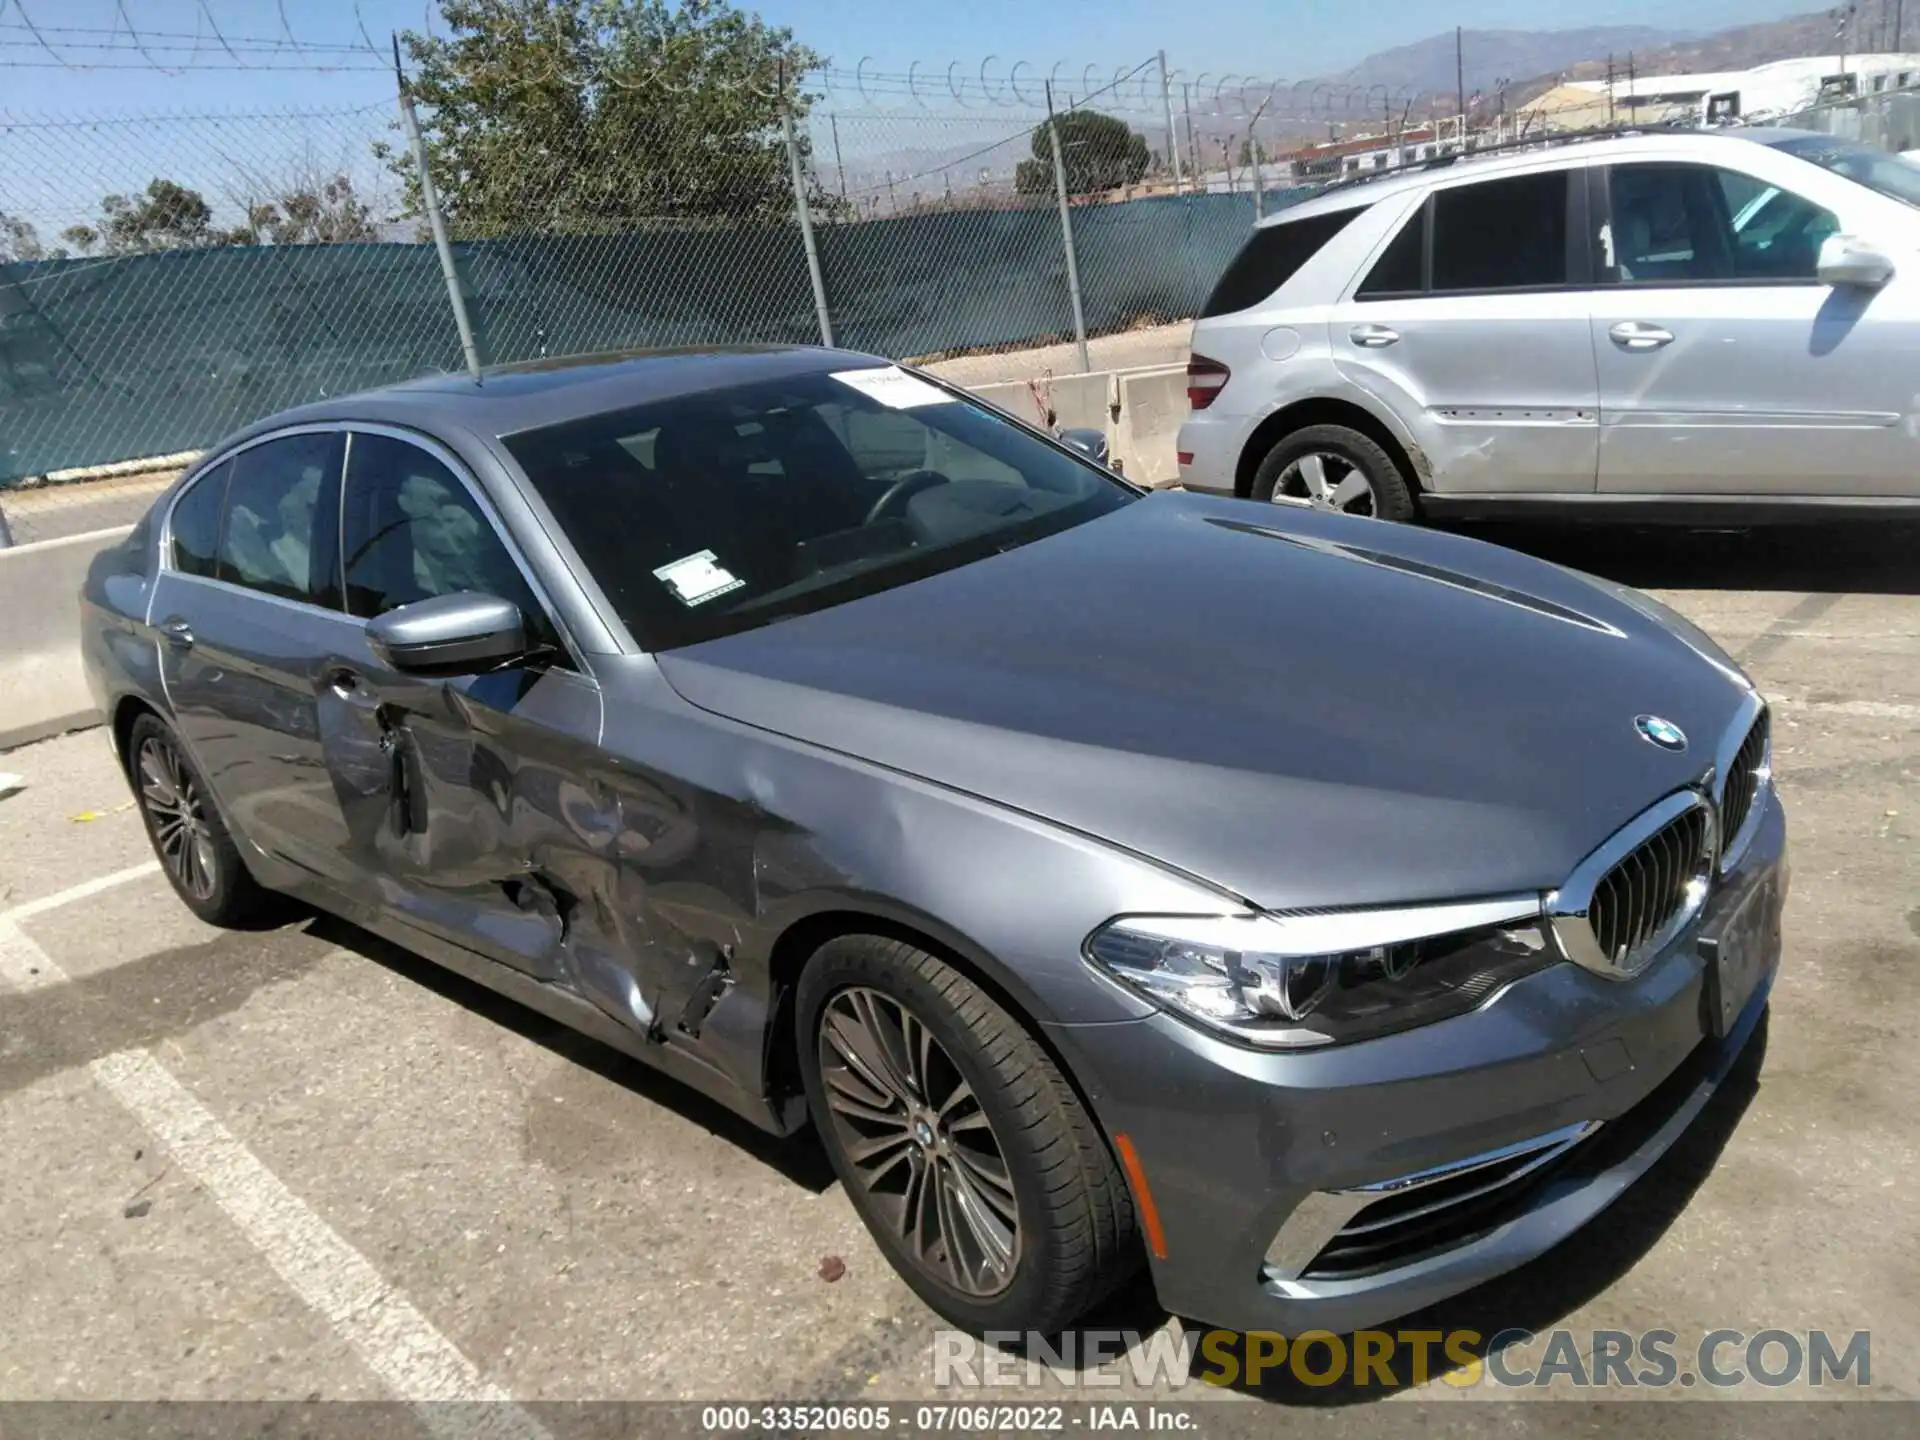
column 1887, row 121
column 165, row 279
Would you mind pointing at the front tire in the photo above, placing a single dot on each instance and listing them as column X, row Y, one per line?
column 1335, row 468
column 189, row 837
column 971, row 1160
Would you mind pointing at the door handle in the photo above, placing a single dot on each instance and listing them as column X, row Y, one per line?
column 1638, row 335
column 1373, row 337
column 178, row 633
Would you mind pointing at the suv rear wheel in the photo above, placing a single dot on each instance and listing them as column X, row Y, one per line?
column 1334, row 467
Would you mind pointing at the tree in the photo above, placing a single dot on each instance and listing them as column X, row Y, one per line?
column 588, row 114
column 312, row 212
column 1098, row 151
column 165, row 216
column 19, row 240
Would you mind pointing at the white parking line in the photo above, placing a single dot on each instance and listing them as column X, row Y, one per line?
column 395, row 1341
column 81, row 891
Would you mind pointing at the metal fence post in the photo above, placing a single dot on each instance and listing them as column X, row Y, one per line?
column 430, row 201
column 805, row 216
column 1066, row 234
column 1173, row 138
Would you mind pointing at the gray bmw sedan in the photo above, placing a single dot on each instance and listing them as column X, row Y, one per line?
column 1325, row 914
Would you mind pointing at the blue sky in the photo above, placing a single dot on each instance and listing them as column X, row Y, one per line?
column 1306, row 37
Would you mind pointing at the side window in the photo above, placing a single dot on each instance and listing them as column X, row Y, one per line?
column 1506, row 234
column 277, row 537
column 196, row 522
column 1271, row 258
column 413, row 531
column 1696, row 224
column 1401, row 268
column 1776, row 234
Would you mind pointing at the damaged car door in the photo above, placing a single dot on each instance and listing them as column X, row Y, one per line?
column 471, row 800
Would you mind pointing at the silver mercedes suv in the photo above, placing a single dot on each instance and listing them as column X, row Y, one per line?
column 1662, row 325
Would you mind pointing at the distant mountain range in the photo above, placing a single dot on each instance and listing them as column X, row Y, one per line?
column 1427, row 67
column 1520, row 64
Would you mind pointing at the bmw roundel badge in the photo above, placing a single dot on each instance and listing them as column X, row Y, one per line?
column 1664, row 733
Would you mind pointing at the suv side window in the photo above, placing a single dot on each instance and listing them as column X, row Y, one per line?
column 1272, row 257
column 1402, row 266
column 1506, row 234
column 1698, row 224
column 195, row 524
column 413, row 531
column 278, row 534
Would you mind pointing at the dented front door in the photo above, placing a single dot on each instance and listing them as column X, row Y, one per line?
column 466, row 806
column 473, row 803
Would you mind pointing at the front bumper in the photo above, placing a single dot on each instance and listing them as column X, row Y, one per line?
column 1254, row 1158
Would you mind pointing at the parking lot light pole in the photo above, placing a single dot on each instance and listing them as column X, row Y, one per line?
column 1066, row 234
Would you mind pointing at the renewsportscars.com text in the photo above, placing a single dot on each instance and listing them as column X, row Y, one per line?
column 1391, row 1359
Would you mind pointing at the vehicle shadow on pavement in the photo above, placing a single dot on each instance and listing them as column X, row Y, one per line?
column 1541, row 1294
column 798, row 1158
column 1862, row 558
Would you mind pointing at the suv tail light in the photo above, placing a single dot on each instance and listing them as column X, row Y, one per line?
column 1205, row 379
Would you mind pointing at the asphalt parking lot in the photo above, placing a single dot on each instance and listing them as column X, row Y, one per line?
column 300, row 1164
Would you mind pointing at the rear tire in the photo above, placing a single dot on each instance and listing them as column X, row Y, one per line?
column 968, row 1155
column 1335, row 468
column 189, row 838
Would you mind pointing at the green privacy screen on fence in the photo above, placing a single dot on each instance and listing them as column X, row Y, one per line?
column 114, row 359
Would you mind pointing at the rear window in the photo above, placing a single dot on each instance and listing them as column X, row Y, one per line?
column 1271, row 258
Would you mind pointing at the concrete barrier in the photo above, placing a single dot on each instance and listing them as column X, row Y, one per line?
column 1152, row 407
column 1140, row 411
column 43, row 690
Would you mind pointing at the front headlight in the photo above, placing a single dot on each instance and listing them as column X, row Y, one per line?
column 1296, row 981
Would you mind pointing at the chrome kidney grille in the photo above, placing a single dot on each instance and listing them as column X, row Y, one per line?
column 1748, row 774
column 1627, row 901
column 1638, row 899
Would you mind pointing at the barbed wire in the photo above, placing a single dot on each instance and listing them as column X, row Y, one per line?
column 29, row 41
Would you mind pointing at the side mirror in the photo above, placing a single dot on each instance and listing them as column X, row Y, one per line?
column 1088, row 441
column 449, row 635
column 1848, row 260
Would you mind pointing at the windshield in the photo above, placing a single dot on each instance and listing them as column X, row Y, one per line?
column 716, row 512
column 1891, row 175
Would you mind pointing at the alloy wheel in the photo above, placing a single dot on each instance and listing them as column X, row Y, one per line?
column 915, row 1134
column 177, row 812
column 1326, row 482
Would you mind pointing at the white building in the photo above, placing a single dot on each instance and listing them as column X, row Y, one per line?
column 1765, row 92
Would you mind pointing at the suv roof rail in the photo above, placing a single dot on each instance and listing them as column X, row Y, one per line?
column 1547, row 140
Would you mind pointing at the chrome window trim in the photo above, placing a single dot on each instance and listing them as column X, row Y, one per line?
column 1753, row 709
column 207, row 467
column 1569, row 906
column 488, row 510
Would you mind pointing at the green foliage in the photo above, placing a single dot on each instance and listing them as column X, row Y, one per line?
column 165, row 216
column 1097, row 151
column 19, row 240
column 326, row 212
column 589, row 116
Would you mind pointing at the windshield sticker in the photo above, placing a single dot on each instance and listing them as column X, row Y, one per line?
column 893, row 387
column 697, row 578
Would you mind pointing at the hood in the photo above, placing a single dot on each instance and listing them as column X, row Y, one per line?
column 1304, row 709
